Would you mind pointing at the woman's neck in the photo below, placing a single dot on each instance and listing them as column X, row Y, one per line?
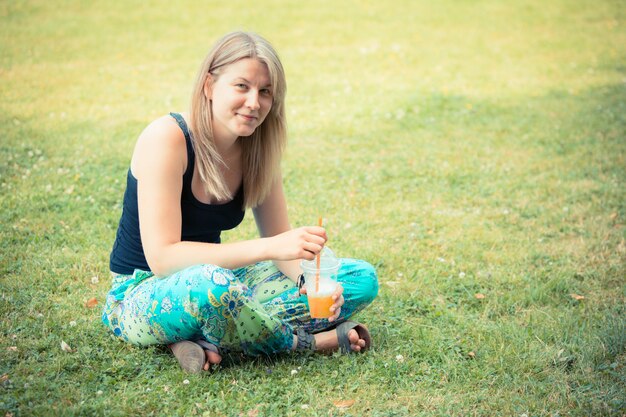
column 228, row 149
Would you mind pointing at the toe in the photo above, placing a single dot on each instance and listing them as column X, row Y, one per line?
column 353, row 337
column 212, row 357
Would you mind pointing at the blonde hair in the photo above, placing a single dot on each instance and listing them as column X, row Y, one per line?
column 261, row 151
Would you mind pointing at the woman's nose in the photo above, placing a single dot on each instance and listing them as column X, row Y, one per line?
column 252, row 101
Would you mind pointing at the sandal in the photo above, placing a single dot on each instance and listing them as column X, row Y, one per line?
column 208, row 346
column 190, row 355
column 306, row 341
column 342, row 336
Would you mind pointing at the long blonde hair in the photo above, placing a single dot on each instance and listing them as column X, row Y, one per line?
column 262, row 151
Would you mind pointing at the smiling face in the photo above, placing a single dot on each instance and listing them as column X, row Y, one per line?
column 241, row 98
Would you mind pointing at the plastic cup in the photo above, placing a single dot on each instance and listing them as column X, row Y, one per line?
column 321, row 283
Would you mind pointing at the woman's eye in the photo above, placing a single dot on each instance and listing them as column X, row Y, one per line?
column 241, row 86
column 266, row 92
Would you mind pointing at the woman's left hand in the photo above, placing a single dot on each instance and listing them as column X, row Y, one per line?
column 337, row 298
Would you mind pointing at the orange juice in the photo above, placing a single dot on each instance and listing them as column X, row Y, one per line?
column 320, row 306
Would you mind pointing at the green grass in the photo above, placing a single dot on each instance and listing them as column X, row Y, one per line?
column 462, row 148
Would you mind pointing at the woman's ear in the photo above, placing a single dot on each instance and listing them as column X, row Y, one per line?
column 208, row 86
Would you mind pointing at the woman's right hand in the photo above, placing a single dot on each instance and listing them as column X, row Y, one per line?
column 301, row 243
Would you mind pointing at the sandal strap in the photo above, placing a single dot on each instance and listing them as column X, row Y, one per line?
column 207, row 346
column 306, row 341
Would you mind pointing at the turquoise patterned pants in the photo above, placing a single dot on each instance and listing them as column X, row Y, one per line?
column 254, row 310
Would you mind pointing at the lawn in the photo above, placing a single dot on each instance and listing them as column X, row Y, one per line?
column 473, row 151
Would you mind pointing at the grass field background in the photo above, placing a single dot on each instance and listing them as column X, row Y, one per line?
column 473, row 151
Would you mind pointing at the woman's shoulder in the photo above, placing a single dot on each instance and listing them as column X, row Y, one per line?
column 165, row 128
column 161, row 139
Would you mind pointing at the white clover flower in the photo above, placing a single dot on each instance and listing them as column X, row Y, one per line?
column 399, row 358
column 95, row 280
column 293, row 372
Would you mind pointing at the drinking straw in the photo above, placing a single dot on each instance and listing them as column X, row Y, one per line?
column 317, row 260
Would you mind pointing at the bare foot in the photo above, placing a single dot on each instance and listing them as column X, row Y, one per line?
column 212, row 358
column 328, row 342
column 189, row 355
column 192, row 357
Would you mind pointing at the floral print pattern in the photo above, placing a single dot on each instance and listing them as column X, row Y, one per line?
column 254, row 310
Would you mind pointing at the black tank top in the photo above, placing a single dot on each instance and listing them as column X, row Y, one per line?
column 200, row 222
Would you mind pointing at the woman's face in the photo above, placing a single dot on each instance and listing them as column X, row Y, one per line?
column 241, row 98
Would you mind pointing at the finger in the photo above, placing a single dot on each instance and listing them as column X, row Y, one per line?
column 341, row 301
column 314, row 248
column 338, row 303
column 336, row 314
column 338, row 292
column 320, row 240
column 303, row 290
column 317, row 231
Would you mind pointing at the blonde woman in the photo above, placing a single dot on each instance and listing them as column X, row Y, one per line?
column 191, row 176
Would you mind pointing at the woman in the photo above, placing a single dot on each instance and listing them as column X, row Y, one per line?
column 192, row 176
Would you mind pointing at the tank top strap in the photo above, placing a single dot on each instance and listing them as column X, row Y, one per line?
column 191, row 156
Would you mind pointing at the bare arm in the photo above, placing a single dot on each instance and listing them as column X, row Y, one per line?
column 272, row 220
column 159, row 162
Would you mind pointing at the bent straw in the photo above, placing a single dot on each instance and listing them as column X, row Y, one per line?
column 317, row 260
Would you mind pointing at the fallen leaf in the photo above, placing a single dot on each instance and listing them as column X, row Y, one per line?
column 472, row 355
column 65, row 347
column 344, row 403
column 577, row 297
column 253, row 413
column 91, row 303
column 12, row 348
column 614, row 216
column 479, row 296
column 4, row 377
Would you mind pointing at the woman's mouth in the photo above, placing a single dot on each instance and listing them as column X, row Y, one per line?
column 247, row 117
